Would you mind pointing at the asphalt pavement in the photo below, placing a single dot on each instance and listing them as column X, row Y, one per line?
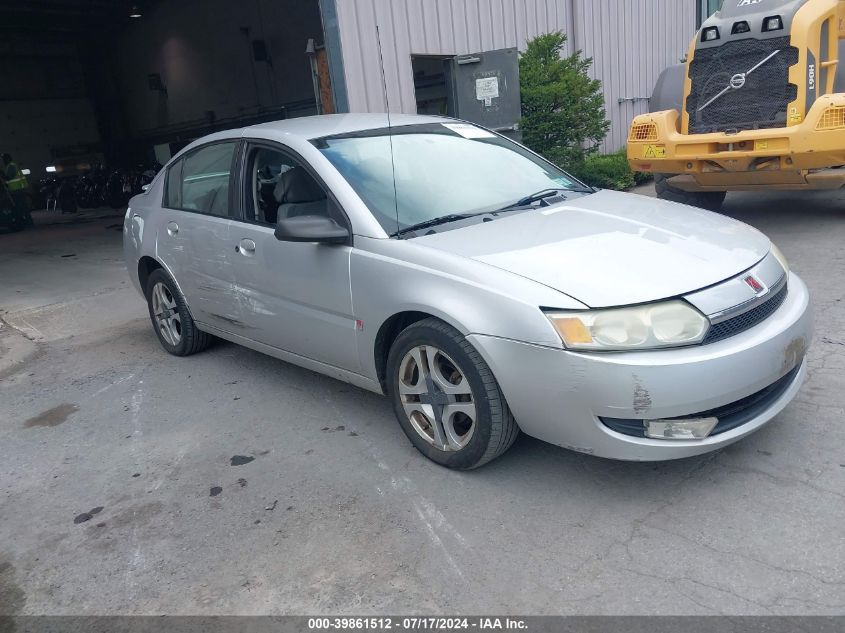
column 133, row 482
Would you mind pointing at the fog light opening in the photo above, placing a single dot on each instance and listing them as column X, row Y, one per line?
column 694, row 429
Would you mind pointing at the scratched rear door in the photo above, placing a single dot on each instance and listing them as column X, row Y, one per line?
column 194, row 238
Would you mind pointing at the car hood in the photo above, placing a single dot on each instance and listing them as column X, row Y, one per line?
column 612, row 249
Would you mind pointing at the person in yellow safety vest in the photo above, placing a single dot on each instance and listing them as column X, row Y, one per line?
column 9, row 218
column 17, row 184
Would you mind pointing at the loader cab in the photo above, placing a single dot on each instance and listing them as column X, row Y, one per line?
column 706, row 8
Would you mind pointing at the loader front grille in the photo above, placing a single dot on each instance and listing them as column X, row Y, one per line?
column 760, row 94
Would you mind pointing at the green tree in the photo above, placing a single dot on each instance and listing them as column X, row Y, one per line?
column 563, row 115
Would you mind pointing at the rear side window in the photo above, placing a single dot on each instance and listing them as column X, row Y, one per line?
column 200, row 181
column 173, row 197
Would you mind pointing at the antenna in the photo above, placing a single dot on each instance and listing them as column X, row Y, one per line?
column 389, row 126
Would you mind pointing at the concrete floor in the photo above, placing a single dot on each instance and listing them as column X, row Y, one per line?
column 120, row 494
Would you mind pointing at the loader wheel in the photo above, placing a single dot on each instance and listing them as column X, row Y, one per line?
column 710, row 200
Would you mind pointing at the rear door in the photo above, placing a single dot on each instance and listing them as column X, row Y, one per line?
column 194, row 241
column 292, row 296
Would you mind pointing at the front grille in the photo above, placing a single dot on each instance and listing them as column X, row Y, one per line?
column 730, row 416
column 746, row 320
column 761, row 102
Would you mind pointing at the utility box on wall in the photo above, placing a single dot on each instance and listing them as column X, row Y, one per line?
column 484, row 89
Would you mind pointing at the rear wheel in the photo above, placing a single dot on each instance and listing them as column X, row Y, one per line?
column 710, row 200
column 446, row 398
column 172, row 322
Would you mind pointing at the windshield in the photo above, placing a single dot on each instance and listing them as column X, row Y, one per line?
column 442, row 169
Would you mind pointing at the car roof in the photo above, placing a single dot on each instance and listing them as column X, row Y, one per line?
column 312, row 127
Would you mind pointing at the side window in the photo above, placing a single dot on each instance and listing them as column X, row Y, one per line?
column 173, row 195
column 280, row 187
column 200, row 180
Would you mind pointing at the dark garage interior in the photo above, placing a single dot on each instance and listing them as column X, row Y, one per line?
column 92, row 87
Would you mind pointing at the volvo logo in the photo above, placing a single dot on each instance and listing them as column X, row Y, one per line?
column 738, row 81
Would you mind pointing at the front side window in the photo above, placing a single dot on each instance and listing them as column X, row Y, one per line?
column 200, row 180
column 281, row 187
column 440, row 169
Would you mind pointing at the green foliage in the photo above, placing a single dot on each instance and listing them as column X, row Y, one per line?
column 563, row 115
column 608, row 171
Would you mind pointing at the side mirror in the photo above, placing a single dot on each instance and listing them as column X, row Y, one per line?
column 311, row 228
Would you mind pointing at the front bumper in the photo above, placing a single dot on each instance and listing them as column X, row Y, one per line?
column 801, row 156
column 559, row 396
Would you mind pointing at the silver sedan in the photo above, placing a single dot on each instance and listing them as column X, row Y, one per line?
column 481, row 288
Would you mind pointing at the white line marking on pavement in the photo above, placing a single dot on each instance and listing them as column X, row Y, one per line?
column 100, row 392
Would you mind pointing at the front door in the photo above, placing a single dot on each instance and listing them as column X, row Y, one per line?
column 292, row 296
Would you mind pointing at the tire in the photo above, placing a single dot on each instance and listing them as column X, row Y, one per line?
column 710, row 200
column 179, row 334
column 468, row 443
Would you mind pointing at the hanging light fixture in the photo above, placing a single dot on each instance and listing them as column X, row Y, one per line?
column 135, row 11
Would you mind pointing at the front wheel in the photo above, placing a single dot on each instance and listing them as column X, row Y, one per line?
column 446, row 398
column 710, row 200
column 172, row 321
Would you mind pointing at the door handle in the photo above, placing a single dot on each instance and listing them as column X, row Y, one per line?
column 246, row 247
column 172, row 228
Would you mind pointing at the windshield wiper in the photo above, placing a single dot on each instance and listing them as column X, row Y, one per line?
column 446, row 219
column 524, row 202
column 540, row 196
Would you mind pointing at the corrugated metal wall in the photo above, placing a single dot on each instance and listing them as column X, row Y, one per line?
column 630, row 41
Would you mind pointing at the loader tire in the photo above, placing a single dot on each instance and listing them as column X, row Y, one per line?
column 710, row 200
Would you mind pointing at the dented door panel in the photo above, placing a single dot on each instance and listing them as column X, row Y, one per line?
column 294, row 296
column 195, row 248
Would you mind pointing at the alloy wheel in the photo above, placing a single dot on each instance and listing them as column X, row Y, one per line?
column 437, row 398
column 167, row 314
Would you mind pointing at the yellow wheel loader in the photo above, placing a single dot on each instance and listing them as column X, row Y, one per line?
column 758, row 104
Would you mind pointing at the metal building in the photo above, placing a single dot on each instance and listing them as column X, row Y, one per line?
column 630, row 41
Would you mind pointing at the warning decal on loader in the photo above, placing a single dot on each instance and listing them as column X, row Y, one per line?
column 654, row 151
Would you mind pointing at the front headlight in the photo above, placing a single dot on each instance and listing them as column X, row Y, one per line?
column 781, row 258
column 656, row 326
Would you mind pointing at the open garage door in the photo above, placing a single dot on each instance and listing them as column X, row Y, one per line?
column 122, row 84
